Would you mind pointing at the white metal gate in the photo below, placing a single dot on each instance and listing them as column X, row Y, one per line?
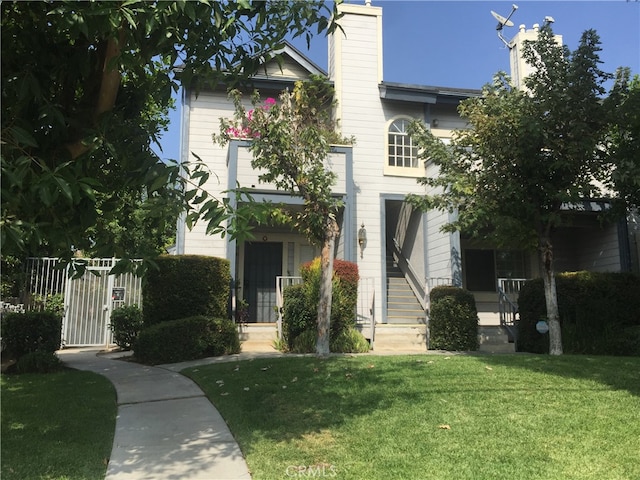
column 88, row 301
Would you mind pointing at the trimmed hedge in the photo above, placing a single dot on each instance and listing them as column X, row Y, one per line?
column 186, row 286
column 599, row 314
column 29, row 332
column 453, row 319
column 186, row 339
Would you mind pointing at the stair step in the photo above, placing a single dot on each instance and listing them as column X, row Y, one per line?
column 502, row 348
column 256, row 332
column 401, row 338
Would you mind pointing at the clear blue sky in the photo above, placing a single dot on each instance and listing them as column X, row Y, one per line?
column 454, row 43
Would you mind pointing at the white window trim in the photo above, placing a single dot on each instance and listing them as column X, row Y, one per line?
column 414, row 172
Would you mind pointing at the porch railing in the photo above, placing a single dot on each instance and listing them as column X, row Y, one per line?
column 365, row 308
column 508, row 292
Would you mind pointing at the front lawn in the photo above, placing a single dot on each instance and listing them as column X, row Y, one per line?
column 432, row 417
column 57, row 426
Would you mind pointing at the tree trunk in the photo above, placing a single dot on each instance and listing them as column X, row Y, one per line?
column 109, row 86
column 550, row 295
column 326, row 277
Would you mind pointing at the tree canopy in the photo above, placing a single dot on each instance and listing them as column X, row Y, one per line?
column 86, row 87
column 528, row 155
column 623, row 139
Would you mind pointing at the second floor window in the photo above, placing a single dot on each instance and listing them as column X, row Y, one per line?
column 402, row 151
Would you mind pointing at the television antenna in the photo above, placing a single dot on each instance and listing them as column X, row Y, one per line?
column 504, row 22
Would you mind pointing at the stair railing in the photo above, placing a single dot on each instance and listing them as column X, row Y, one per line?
column 508, row 291
column 413, row 279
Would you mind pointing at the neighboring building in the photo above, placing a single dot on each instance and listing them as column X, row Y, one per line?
column 405, row 252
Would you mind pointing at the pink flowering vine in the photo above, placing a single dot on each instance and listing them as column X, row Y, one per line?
column 243, row 130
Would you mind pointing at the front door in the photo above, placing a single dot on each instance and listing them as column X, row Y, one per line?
column 262, row 264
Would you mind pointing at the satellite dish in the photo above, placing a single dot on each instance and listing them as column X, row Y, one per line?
column 502, row 21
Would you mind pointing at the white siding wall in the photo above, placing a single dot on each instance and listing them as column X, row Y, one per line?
column 204, row 120
column 361, row 115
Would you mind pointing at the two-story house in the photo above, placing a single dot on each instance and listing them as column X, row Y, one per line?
column 400, row 252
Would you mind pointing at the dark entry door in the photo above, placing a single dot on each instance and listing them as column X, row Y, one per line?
column 262, row 264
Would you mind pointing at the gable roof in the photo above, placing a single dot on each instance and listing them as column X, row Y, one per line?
column 293, row 64
column 283, row 67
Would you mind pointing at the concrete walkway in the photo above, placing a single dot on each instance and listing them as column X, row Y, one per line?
column 166, row 429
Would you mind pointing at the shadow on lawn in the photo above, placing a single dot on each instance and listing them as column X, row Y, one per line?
column 619, row 373
column 244, row 392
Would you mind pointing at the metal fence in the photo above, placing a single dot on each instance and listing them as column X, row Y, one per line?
column 88, row 301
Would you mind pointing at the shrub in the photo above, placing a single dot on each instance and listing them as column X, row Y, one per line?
column 51, row 303
column 350, row 340
column 344, row 292
column 186, row 339
column 297, row 314
column 305, row 342
column 301, row 303
column 38, row 362
column 598, row 313
column 453, row 319
column 186, row 286
column 28, row 332
column 126, row 323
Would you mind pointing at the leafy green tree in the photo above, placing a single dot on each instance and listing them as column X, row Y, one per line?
column 86, row 87
column 528, row 154
column 623, row 138
column 291, row 140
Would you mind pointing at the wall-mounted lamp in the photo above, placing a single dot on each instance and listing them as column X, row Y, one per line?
column 435, row 123
column 362, row 239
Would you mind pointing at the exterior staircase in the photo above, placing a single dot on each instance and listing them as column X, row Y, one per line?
column 405, row 329
column 257, row 337
column 402, row 305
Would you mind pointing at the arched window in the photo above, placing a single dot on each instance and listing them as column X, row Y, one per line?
column 402, row 152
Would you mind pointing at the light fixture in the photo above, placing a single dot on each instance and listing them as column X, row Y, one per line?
column 362, row 238
column 435, row 123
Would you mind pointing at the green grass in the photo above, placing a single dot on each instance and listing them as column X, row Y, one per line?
column 57, row 426
column 432, row 417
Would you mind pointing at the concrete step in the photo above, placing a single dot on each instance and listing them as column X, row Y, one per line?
column 401, row 337
column 494, row 339
column 257, row 337
column 497, row 348
column 403, row 305
column 404, row 319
